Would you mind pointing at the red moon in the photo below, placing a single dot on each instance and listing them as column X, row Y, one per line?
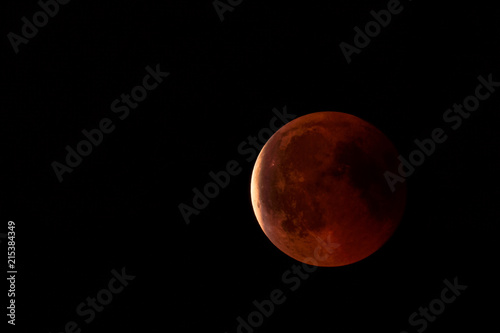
column 319, row 192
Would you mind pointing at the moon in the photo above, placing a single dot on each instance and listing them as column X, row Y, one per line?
column 319, row 191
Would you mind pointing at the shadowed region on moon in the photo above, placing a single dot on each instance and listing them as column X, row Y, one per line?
column 319, row 193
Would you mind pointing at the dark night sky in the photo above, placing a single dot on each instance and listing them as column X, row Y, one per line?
column 119, row 208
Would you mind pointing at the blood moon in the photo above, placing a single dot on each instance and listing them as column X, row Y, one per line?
column 319, row 193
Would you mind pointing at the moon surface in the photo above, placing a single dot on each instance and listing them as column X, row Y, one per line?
column 319, row 192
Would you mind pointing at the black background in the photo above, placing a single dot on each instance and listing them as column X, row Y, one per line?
column 119, row 208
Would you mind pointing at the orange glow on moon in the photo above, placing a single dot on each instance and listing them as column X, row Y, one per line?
column 319, row 193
